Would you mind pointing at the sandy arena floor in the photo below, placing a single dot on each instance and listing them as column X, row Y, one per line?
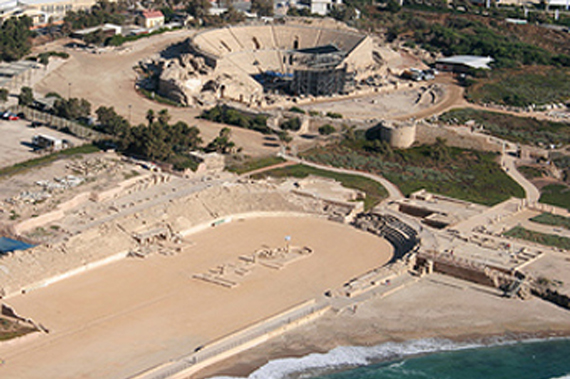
column 117, row 320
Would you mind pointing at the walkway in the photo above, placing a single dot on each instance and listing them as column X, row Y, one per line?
column 394, row 192
column 532, row 193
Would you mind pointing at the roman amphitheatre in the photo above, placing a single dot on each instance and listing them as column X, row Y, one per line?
column 136, row 273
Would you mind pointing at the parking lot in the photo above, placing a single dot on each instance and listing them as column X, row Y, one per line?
column 16, row 141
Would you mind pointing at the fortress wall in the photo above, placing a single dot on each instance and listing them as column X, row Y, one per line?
column 465, row 273
column 427, row 134
column 36, row 222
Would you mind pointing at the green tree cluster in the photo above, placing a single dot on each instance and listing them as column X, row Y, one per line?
column 26, row 96
column 159, row 140
column 226, row 115
column 101, row 13
column 293, row 124
column 72, row 109
column 222, row 143
column 262, row 7
column 15, row 38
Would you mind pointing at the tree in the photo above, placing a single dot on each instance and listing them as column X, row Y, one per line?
column 163, row 117
column 221, row 144
column 198, row 8
column 26, row 96
column 95, row 38
column 3, row 95
column 284, row 137
column 262, row 7
column 150, row 116
column 15, row 38
column 326, row 130
column 72, row 109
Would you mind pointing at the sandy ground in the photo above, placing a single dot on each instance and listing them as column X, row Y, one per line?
column 108, row 79
column 123, row 318
column 435, row 307
column 15, row 144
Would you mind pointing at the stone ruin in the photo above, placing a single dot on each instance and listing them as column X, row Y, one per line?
column 160, row 240
column 182, row 76
column 230, row 275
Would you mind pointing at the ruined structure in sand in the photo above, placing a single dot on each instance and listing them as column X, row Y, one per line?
column 249, row 63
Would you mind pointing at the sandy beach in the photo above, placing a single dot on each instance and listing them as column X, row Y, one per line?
column 435, row 307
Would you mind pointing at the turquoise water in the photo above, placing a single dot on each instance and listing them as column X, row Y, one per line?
column 539, row 360
column 429, row 359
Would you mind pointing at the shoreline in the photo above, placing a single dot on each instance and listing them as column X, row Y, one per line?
column 242, row 367
column 512, row 321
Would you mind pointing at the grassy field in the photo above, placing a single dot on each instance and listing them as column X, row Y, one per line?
column 464, row 174
column 551, row 219
column 531, row 85
column 524, row 130
column 541, row 238
column 11, row 329
column 375, row 192
column 242, row 167
column 556, row 194
column 531, row 172
column 23, row 166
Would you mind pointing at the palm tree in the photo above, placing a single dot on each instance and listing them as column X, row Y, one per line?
column 150, row 116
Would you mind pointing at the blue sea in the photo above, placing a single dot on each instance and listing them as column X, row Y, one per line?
column 429, row 359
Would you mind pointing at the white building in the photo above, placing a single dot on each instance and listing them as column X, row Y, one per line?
column 323, row 7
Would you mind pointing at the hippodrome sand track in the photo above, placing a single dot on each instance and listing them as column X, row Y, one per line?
column 120, row 319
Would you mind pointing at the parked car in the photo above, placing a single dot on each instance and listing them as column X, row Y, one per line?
column 10, row 116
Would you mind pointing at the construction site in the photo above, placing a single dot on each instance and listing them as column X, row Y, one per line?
column 177, row 273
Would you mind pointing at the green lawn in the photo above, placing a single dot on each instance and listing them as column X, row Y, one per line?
column 23, row 166
column 531, row 172
column 463, row 174
column 523, row 130
column 551, row 219
column 375, row 192
column 248, row 165
column 556, row 194
column 541, row 238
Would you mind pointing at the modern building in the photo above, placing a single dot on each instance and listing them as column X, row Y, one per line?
column 42, row 11
column 463, row 63
column 321, row 7
column 151, row 19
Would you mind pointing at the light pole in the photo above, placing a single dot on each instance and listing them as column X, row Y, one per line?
column 130, row 106
column 69, row 90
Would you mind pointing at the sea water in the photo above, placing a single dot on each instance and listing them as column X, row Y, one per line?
column 429, row 359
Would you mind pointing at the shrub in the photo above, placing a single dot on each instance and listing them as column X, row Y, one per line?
column 326, row 130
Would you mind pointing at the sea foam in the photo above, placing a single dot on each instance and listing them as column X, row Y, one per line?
column 351, row 356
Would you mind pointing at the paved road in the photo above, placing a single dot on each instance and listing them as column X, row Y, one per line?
column 394, row 192
column 532, row 193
